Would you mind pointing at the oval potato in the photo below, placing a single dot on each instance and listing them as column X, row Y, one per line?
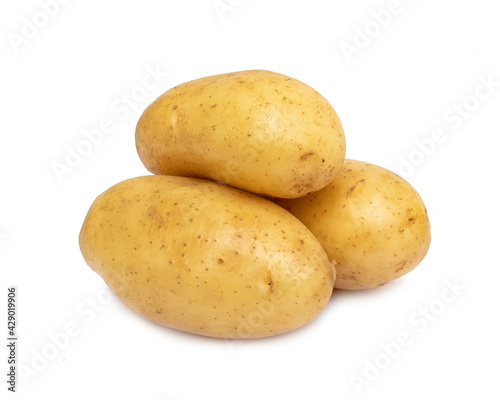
column 370, row 221
column 256, row 130
column 206, row 258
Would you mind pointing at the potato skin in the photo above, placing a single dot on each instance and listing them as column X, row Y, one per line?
column 370, row 221
column 206, row 258
column 256, row 130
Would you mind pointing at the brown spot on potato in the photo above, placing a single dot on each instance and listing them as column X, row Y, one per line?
column 401, row 266
column 153, row 212
column 353, row 187
column 306, row 155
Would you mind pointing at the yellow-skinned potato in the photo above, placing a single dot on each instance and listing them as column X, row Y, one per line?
column 206, row 258
column 256, row 130
column 370, row 221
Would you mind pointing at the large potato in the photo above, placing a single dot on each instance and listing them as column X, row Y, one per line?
column 206, row 258
column 256, row 130
column 370, row 221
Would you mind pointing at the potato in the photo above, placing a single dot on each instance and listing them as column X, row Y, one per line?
column 256, row 130
column 206, row 258
column 370, row 221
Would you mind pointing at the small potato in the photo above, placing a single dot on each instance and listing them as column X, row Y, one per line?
column 370, row 221
column 206, row 258
column 255, row 130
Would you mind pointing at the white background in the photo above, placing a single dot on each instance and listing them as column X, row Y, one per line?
column 406, row 80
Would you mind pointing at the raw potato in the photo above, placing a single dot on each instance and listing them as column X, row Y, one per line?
column 256, row 130
column 206, row 258
column 370, row 221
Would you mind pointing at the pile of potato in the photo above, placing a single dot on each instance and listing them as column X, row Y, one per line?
column 252, row 215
